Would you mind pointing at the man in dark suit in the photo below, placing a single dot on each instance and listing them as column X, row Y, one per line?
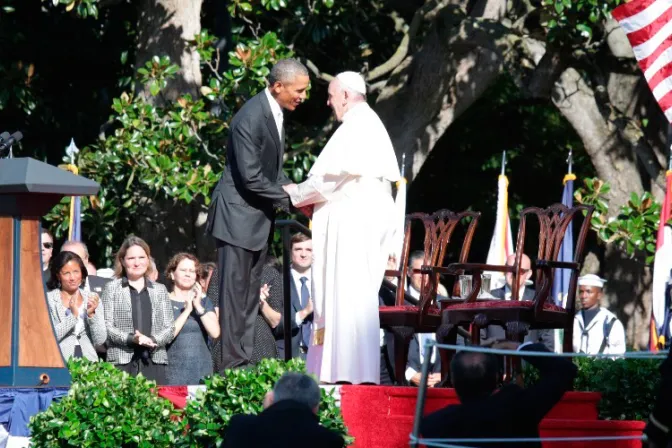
column 494, row 333
column 301, row 248
column 243, row 204
column 510, row 412
column 288, row 421
column 415, row 359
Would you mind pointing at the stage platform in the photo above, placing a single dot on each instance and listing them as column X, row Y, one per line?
column 377, row 416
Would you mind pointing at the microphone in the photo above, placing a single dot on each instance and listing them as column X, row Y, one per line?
column 6, row 141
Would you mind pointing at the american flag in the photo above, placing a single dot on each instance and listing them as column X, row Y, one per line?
column 648, row 25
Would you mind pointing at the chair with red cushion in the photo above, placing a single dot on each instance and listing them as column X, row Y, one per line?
column 515, row 315
column 403, row 320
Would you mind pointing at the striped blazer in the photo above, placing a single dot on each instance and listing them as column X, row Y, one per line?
column 64, row 322
column 119, row 321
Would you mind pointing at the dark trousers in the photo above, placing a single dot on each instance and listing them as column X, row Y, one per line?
column 239, row 286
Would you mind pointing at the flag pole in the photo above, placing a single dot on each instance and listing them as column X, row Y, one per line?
column 403, row 164
column 570, row 162
column 503, row 162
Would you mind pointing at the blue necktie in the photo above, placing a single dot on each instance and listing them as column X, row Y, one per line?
column 305, row 326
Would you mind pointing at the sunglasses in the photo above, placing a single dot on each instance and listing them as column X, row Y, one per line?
column 47, row 245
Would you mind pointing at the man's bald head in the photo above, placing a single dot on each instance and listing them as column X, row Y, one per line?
column 77, row 247
column 525, row 269
column 474, row 375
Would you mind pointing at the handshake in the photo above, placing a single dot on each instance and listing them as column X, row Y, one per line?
column 292, row 190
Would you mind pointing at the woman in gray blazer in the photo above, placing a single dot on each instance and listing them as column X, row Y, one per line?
column 138, row 314
column 75, row 313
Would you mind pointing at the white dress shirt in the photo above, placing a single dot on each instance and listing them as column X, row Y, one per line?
column 276, row 110
column 296, row 276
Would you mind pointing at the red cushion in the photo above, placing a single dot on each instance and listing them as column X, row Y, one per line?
column 433, row 310
column 506, row 304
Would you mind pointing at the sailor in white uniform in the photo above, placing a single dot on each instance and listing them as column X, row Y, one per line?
column 596, row 329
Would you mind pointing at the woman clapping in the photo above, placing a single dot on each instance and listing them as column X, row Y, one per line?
column 78, row 324
column 189, row 357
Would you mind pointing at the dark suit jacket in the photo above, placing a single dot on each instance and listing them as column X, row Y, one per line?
column 297, row 331
column 497, row 332
column 97, row 284
column 243, row 202
column 414, row 358
column 510, row 412
column 657, row 429
column 285, row 424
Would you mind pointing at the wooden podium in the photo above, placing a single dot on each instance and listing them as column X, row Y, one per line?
column 29, row 353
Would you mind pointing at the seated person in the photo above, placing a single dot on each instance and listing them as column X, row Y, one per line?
column 494, row 333
column 416, row 357
column 288, row 420
column 596, row 329
column 511, row 411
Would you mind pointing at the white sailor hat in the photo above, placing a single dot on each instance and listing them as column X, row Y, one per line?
column 592, row 280
column 353, row 81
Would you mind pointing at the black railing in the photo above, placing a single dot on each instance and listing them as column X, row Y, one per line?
column 286, row 226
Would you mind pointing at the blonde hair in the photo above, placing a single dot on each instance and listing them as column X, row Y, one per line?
column 119, row 270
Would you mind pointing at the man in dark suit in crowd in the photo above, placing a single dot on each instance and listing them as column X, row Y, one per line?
column 660, row 421
column 415, row 359
column 301, row 248
column 510, row 412
column 494, row 333
column 288, row 421
column 243, row 204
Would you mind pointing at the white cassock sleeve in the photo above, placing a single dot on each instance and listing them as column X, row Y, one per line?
column 317, row 189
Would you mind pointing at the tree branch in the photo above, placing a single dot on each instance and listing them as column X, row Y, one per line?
column 316, row 71
column 309, row 144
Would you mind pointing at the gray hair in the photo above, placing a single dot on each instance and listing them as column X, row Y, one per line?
column 416, row 255
column 286, row 71
column 75, row 243
column 298, row 387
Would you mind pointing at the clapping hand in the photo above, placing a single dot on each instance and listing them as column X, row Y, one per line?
column 143, row 340
column 92, row 304
column 263, row 294
column 197, row 298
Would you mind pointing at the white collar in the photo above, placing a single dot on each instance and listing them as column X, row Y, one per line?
column 351, row 112
column 297, row 275
column 275, row 107
column 509, row 292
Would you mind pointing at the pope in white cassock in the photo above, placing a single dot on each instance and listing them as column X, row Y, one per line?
column 349, row 191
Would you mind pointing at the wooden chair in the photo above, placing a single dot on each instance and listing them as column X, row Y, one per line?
column 515, row 315
column 404, row 320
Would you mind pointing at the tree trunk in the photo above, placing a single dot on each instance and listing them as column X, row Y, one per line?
column 164, row 28
column 461, row 56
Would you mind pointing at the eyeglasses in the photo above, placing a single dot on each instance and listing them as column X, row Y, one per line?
column 48, row 245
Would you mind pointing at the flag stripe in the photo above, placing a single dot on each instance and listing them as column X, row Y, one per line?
column 648, row 26
column 632, row 10
column 652, row 23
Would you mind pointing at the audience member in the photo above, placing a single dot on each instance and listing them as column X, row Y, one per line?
column 301, row 254
column 94, row 283
column 189, row 358
column 205, row 274
column 78, row 324
column 47, row 242
column 660, row 421
column 138, row 314
column 288, row 421
column 510, row 412
column 494, row 333
column 416, row 356
column 269, row 316
column 596, row 329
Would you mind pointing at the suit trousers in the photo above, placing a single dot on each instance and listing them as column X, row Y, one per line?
column 239, row 285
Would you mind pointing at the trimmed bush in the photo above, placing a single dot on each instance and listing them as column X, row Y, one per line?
column 242, row 391
column 628, row 386
column 106, row 407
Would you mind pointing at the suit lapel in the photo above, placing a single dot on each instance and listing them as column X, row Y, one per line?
column 294, row 293
column 270, row 120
